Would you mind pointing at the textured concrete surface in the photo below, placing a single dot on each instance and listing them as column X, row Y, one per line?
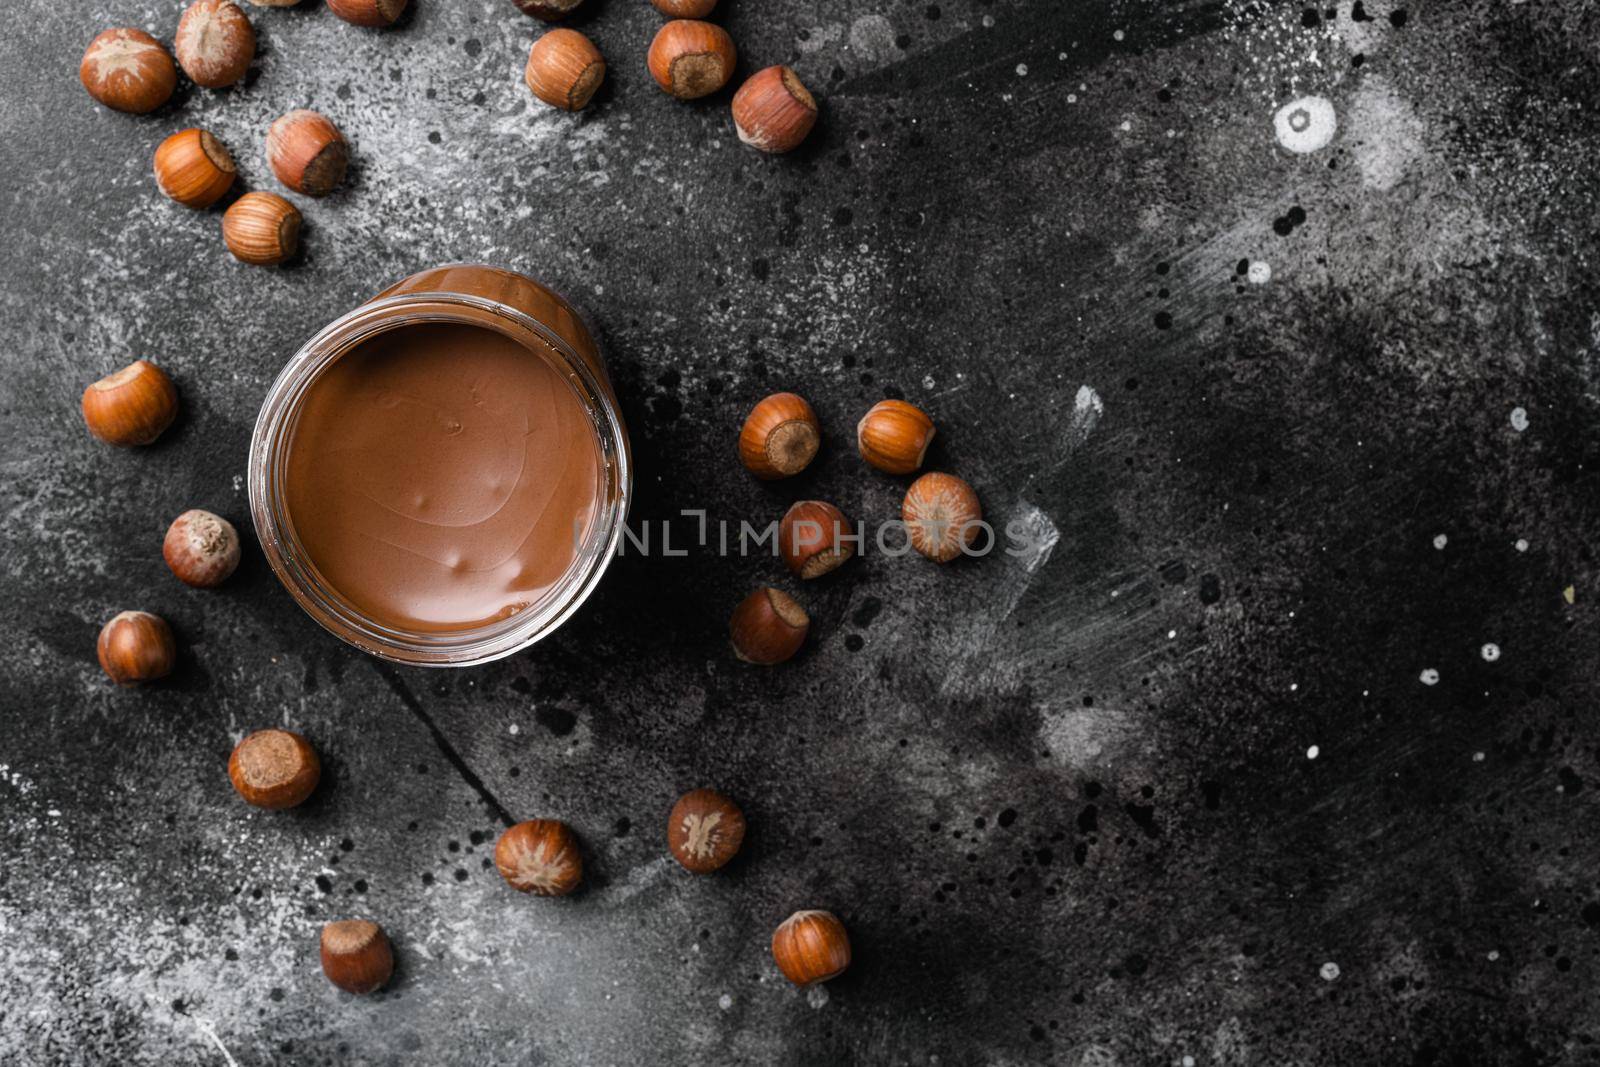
column 1300, row 434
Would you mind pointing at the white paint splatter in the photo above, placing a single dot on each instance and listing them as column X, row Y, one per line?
column 1440, row 541
column 1519, row 419
column 1259, row 272
column 1491, row 652
column 1522, row 544
column 1429, row 677
column 817, row 996
column 1022, row 70
column 1305, row 125
column 1385, row 135
column 1329, row 971
column 1087, row 408
column 1313, row 752
column 725, row 1002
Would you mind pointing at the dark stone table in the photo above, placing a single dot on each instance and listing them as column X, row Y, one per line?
column 1293, row 435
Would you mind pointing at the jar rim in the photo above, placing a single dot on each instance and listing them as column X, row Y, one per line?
column 274, row 431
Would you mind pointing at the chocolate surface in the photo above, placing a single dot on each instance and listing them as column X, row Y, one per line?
column 441, row 476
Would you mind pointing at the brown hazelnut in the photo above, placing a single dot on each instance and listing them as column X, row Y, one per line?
column 894, row 436
column 201, row 548
column 194, row 169
column 136, row 646
column 274, row 3
column 704, row 830
column 368, row 12
column 548, row 10
column 540, row 856
column 685, row 9
column 261, row 228
column 307, row 152
column 768, row 627
column 811, row 946
column 690, row 59
column 942, row 516
column 564, row 69
column 780, row 437
column 215, row 43
column 773, row 110
column 274, row 769
column 128, row 70
column 356, row 955
column 132, row 406
column 815, row 537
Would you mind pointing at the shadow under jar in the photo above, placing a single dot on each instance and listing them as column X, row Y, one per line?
column 440, row 477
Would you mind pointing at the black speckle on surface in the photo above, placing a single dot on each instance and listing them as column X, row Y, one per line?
column 559, row 721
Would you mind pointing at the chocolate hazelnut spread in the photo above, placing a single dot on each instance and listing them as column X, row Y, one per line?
column 442, row 475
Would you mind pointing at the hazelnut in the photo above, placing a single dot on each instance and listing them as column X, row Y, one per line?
column 690, row 59
column 685, row 9
column 704, row 830
column 780, row 437
column 356, row 955
column 549, row 10
column 811, row 946
column 274, row 3
column 540, row 856
column 768, row 627
column 132, row 406
column 274, row 769
column 307, row 152
column 201, row 548
column 261, row 228
column 136, row 646
column 773, row 111
column 128, row 70
column 942, row 516
column 894, row 436
column 194, row 169
column 215, row 43
column 814, row 537
column 564, row 69
column 368, row 12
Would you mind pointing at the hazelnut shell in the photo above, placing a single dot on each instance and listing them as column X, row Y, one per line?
column 548, row 10
column 356, row 955
column 132, row 406
column 814, row 538
column 193, row 168
column 773, row 111
column 690, row 59
column 202, row 549
column 215, row 43
column 262, row 229
column 780, row 437
column 564, row 69
column 136, row 646
column 768, row 627
column 704, row 830
column 811, row 946
column 368, row 12
column 274, row 769
column 540, row 856
column 894, row 436
column 128, row 70
column 307, row 152
column 941, row 513
column 685, row 9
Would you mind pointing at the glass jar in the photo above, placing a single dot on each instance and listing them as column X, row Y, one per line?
column 548, row 327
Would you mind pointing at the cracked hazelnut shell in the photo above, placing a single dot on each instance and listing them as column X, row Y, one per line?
column 540, row 856
column 128, row 70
